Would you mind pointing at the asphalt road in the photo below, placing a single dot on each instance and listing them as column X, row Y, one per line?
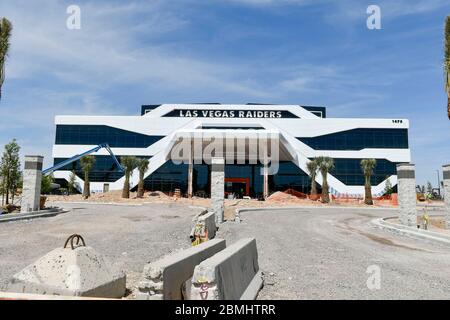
column 324, row 253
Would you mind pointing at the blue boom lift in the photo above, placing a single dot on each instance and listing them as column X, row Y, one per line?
column 79, row 156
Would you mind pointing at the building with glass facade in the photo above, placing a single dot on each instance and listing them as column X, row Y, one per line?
column 300, row 132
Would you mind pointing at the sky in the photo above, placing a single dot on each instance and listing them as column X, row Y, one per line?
column 307, row 52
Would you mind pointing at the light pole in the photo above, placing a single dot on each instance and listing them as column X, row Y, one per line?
column 439, row 183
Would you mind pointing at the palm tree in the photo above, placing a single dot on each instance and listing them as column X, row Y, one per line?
column 128, row 163
column 325, row 164
column 87, row 163
column 367, row 166
column 142, row 167
column 312, row 169
column 72, row 183
column 447, row 62
column 5, row 34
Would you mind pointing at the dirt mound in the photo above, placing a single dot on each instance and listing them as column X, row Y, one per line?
column 281, row 196
column 158, row 194
column 296, row 193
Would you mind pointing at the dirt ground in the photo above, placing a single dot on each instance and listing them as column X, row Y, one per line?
column 128, row 236
column 331, row 244
column 325, row 253
column 278, row 199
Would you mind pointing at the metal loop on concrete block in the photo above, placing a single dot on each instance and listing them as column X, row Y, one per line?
column 71, row 238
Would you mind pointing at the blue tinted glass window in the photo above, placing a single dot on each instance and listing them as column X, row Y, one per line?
column 96, row 134
column 358, row 139
column 349, row 171
column 104, row 169
column 289, row 176
column 168, row 177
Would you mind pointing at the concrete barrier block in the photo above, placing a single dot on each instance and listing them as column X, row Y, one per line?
column 228, row 274
column 70, row 272
column 253, row 288
column 164, row 278
column 207, row 222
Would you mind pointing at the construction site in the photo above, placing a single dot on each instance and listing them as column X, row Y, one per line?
column 216, row 229
column 280, row 153
column 167, row 246
column 135, row 215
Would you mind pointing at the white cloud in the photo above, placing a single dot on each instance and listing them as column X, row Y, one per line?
column 274, row 2
column 65, row 71
column 355, row 11
column 408, row 7
column 107, row 47
column 308, row 78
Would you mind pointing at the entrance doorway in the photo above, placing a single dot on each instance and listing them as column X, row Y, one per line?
column 239, row 187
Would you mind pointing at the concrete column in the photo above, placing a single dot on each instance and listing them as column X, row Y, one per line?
column 32, row 177
column 190, row 178
column 218, row 187
column 407, row 194
column 190, row 190
column 266, row 181
column 446, row 172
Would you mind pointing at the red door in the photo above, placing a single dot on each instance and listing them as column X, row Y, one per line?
column 245, row 181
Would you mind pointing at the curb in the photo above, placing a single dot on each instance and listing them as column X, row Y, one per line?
column 411, row 232
column 104, row 203
column 28, row 215
column 237, row 217
column 121, row 204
